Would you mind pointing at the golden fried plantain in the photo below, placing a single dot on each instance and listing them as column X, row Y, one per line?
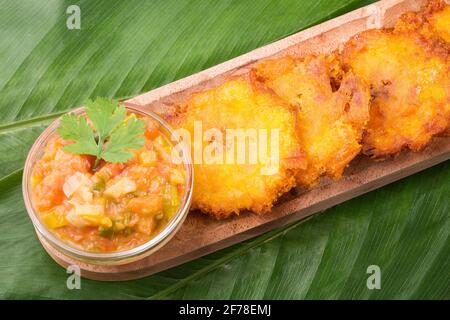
column 410, row 85
column 440, row 22
column 332, row 110
column 225, row 188
column 432, row 21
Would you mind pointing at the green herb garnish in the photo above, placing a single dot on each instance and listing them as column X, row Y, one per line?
column 112, row 136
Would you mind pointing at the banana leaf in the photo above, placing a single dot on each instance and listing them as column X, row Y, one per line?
column 127, row 47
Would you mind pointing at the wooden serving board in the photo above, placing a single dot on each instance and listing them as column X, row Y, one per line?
column 201, row 234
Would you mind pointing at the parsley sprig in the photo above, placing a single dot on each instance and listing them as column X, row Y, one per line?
column 111, row 136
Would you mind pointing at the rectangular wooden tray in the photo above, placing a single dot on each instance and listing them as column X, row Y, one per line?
column 201, row 234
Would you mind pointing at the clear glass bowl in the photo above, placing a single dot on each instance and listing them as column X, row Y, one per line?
column 110, row 258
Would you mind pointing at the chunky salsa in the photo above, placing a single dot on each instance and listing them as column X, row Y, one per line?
column 114, row 208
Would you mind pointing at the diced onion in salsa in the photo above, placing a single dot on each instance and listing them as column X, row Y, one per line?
column 115, row 208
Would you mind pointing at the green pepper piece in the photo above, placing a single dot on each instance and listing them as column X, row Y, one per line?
column 106, row 232
column 171, row 201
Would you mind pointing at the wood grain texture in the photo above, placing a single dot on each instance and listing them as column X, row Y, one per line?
column 201, row 234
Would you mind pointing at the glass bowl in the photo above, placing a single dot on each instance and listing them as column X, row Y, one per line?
column 110, row 258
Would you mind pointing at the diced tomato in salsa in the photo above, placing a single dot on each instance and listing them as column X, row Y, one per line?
column 115, row 208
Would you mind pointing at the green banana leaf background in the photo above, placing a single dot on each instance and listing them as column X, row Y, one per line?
column 127, row 47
